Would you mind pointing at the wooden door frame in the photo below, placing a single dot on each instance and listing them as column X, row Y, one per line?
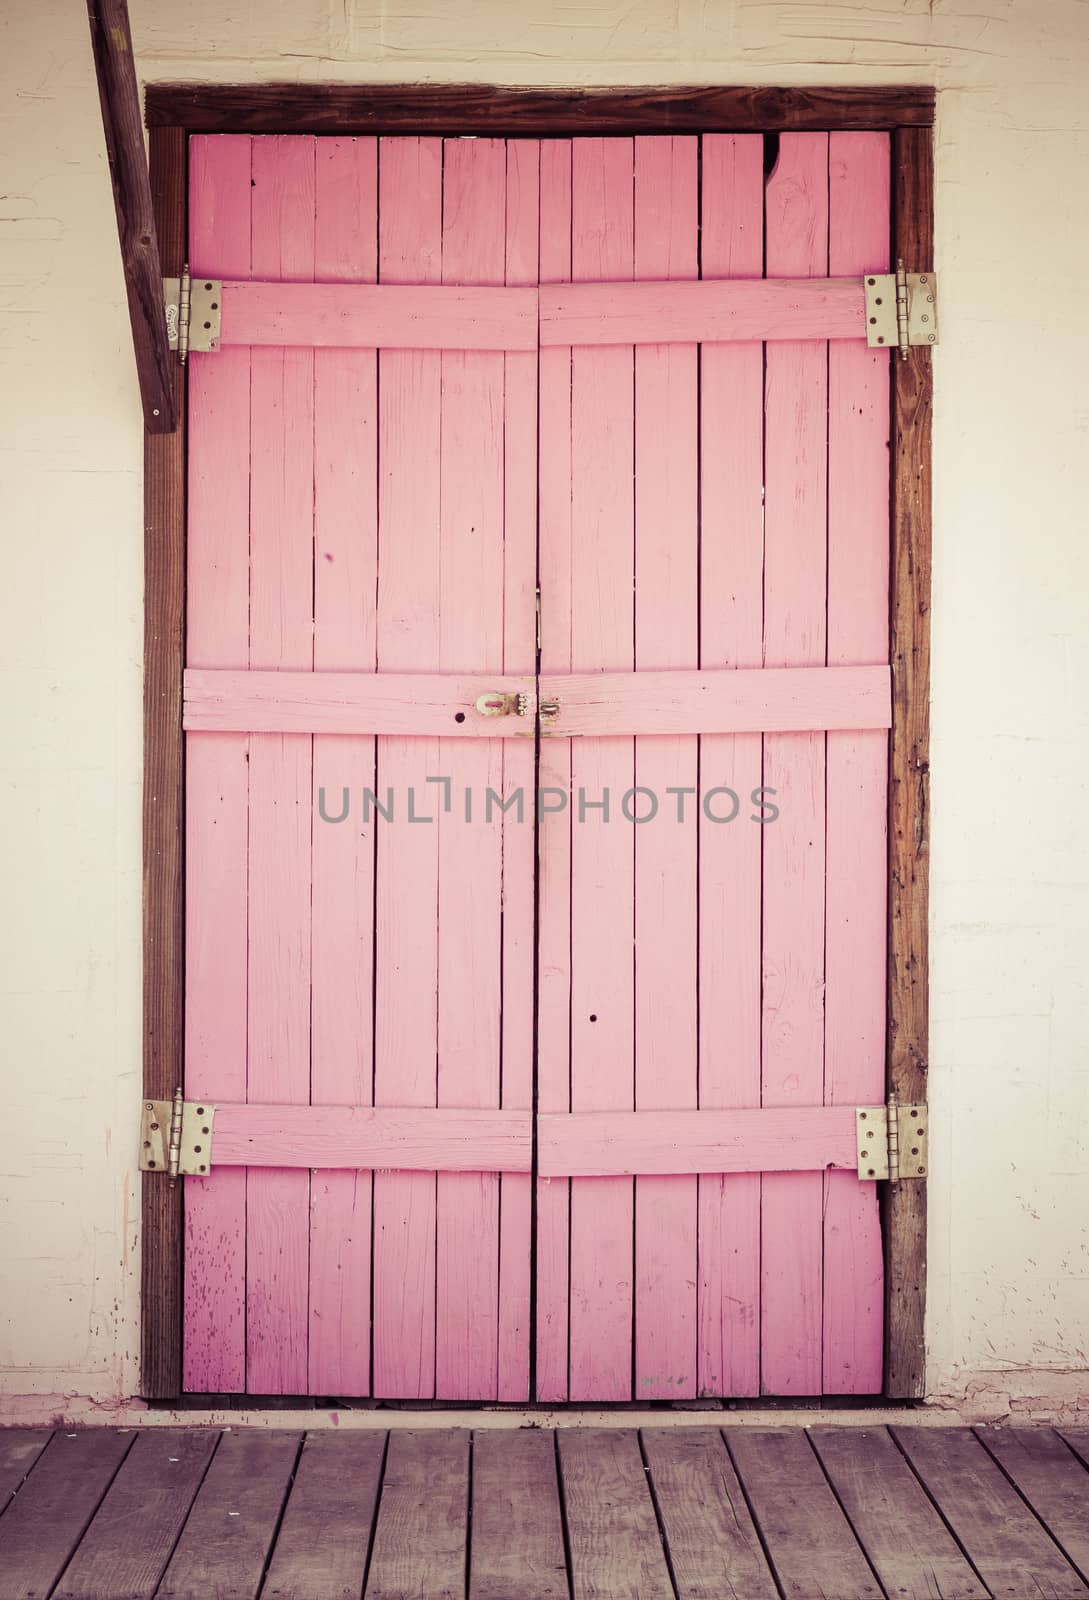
column 172, row 113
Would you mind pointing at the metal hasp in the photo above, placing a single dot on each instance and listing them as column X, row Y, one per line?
column 892, row 1142
column 901, row 309
column 193, row 313
column 501, row 703
column 176, row 1137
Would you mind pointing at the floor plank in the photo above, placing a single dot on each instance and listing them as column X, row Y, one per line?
column 46, row 1520
column 616, row 1553
column 124, row 1552
column 1078, row 1440
column 325, row 1536
column 809, row 1540
column 1004, row 1541
column 517, row 1528
column 1053, row 1481
column 421, row 1542
column 224, row 1546
column 19, row 1450
column 913, row 1552
column 714, row 1549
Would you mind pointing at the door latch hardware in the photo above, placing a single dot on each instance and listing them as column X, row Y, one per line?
column 193, row 313
column 549, row 710
column 901, row 309
column 176, row 1137
column 892, row 1141
column 500, row 703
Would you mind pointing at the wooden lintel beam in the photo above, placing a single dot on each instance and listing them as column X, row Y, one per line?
column 486, row 109
column 111, row 41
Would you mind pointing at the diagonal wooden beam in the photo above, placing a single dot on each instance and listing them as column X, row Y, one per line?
column 111, row 40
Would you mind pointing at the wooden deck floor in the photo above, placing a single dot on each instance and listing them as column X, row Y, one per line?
column 741, row 1513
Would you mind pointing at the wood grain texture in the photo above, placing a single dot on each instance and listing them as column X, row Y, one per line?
column 482, row 108
column 1052, row 1479
column 19, row 1450
column 280, row 774
column 1078, row 1440
column 774, row 700
column 666, row 858
column 611, row 1525
column 409, row 639
column 125, row 1551
column 857, row 769
column 217, row 777
column 472, row 561
column 714, row 1551
column 784, row 700
column 768, row 1139
column 405, row 1138
column 420, row 1543
column 909, row 771
column 402, row 704
column 911, row 1549
column 472, row 589
column 517, row 1523
column 342, row 857
column 731, row 635
column 119, row 98
column 795, row 565
column 807, row 1537
column 229, row 1534
column 996, row 1529
column 554, row 827
column 164, row 811
column 47, row 1518
column 391, row 316
column 520, row 457
column 324, row 1538
column 602, row 1042
column 409, row 317
column 710, row 311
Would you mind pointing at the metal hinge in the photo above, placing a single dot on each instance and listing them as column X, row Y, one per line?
column 892, row 1141
column 193, row 313
column 901, row 309
column 176, row 1137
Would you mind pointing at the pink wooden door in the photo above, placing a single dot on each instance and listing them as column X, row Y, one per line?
column 357, row 510
column 404, row 1094
column 714, row 506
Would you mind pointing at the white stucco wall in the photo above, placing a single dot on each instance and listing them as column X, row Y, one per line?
column 1009, row 1241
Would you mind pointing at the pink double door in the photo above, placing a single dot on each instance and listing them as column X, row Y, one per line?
column 599, row 971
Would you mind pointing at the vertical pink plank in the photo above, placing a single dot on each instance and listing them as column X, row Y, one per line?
column 470, row 851
column 342, row 938
column 602, row 856
column 281, row 636
column 858, row 603
column 731, row 605
column 519, row 864
column 666, row 635
column 214, row 1348
column 406, row 949
column 554, row 824
column 794, row 765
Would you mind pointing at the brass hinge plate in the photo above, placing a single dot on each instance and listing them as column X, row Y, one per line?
column 176, row 1137
column 912, row 1128
column 892, row 1142
column 193, row 313
column 901, row 309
